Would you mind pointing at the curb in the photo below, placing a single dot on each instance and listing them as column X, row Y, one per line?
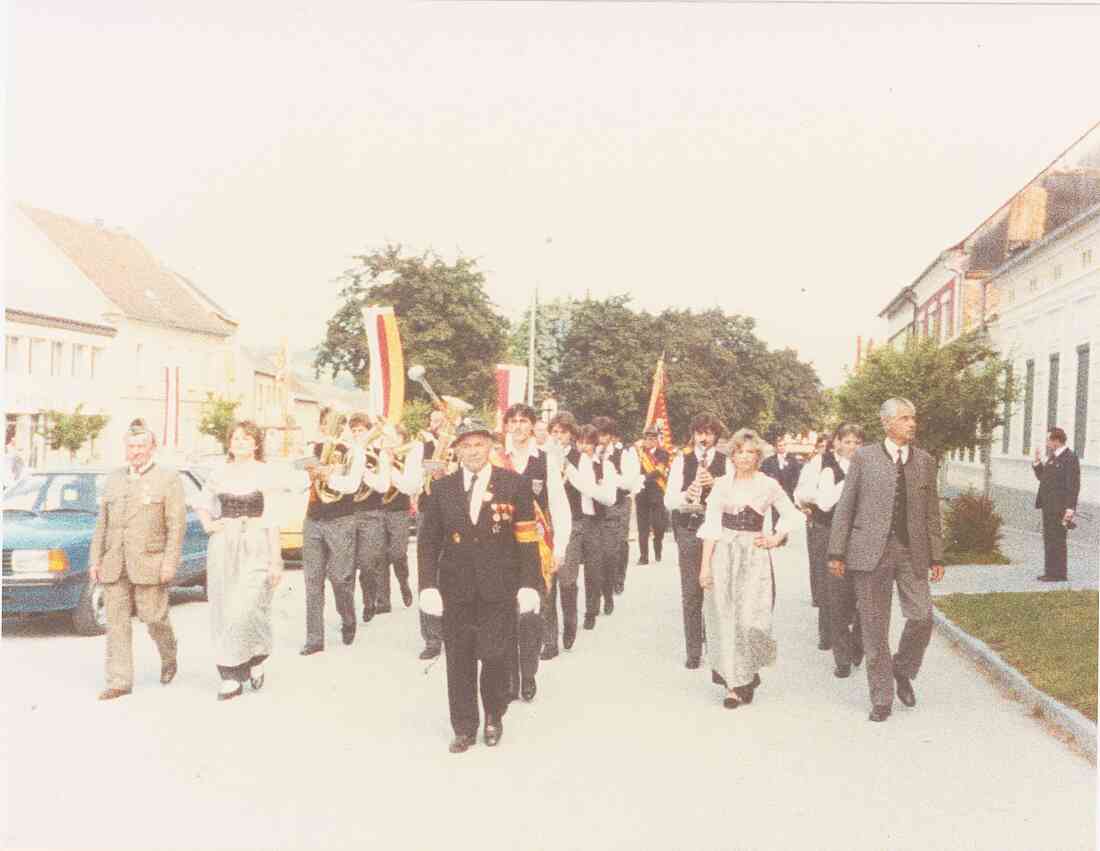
column 1079, row 728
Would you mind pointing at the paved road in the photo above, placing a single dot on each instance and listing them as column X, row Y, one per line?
column 623, row 748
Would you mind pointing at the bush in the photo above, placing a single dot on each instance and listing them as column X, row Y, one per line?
column 972, row 526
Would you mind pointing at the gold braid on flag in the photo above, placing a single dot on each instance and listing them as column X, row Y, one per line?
column 546, row 545
column 649, row 465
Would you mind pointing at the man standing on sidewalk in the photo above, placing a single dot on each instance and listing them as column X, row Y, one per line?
column 135, row 552
column 1059, row 485
column 886, row 530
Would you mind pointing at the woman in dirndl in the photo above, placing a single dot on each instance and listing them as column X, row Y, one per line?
column 736, row 574
column 244, row 560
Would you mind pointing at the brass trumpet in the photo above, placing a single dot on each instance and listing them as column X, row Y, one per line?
column 453, row 409
column 379, row 433
column 334, row 452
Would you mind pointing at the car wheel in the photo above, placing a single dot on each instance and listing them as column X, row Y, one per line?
column 90, row 614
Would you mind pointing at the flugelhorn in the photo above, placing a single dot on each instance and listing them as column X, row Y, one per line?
column 452, row 409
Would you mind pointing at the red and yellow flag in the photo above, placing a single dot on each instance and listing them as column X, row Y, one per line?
column 387, row 363
column 657, row 414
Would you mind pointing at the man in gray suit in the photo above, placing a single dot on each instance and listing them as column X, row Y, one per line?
column 886, row 530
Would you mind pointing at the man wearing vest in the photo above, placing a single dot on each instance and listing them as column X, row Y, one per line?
column 563, row 432
column 328, row 545
column 689, row 484
column 886, row 530
column 649, row 504
column 524, row 458
column 590, row 489
column 837, row 622
column 617, row 518
column 370, row 527
column 406, row 479
column 134, row 554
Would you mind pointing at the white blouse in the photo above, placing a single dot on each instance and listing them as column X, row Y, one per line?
column 274, row 483
column 761, row 493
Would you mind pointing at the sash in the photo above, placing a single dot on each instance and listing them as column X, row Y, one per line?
column 544, row 530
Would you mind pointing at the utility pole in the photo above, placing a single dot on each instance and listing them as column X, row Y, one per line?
column 531, row 349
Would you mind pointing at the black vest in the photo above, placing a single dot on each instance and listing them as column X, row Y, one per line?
column 828, row 462
column 536, row 471
column 691, row 467
column 574, row 458
column 899, row 520
column 317, row 510
column 616, row 459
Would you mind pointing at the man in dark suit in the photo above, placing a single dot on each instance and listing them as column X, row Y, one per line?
column 1059, row 485
column 478, row 559
column 782, row 467
column 886, row 530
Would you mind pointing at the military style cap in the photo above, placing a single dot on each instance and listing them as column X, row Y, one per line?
column 469, row 426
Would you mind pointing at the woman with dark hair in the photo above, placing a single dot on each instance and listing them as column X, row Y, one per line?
column 244, row 560
column 736, row 573
column 838, row 593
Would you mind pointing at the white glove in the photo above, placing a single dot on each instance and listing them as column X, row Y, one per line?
column 431, row 603
column 529, row 600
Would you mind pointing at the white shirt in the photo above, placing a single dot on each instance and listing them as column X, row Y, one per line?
column 805, row 491
column 583, row 478
column 481, row 485
column 828, row 489
column 760, row 493
column 349, row 482
column 893, row 449
column 561, row 515
column 675, row 497
column 410, row 480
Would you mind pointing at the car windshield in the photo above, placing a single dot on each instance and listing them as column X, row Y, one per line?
column 56, row 492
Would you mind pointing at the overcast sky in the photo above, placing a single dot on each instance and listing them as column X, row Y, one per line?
column 796, row 163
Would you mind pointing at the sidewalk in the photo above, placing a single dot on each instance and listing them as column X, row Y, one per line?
column 1025, row 549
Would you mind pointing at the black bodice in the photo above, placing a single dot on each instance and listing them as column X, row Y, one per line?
column 745, row 520
column 242, row 505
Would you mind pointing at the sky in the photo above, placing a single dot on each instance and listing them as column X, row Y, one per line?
column 794, row 162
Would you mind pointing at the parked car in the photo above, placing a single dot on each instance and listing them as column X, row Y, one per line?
column 49, row 520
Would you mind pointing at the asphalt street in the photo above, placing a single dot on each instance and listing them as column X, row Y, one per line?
column 622, row 748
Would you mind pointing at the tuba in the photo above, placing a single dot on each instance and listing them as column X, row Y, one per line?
column 453, row 410
column 334, row 451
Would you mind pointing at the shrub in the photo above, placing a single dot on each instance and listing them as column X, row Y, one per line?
column 972, row 525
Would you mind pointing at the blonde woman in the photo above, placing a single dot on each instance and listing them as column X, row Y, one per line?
column 736, row 574
column 244, row 560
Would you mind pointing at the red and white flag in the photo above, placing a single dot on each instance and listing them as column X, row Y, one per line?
column 511, row 385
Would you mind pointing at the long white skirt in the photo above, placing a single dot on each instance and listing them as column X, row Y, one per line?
column 239, row 584
column 737, row 609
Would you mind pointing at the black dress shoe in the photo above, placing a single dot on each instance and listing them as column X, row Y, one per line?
column 731, row 703
column 229, row 695
column 406, row 594
column 549, row 652
column 823, row 644
column 528, row 689
column 692, row 662
column 657, row 555
column 644, row 560
column 347, row 632
column 569, row 635
column 589, row 621
column 717, row 678
column 430, row 652
column 879, row 713
column 609, row 605
column 167, row 673
column 368, row 613
column 462, row 743
column 842, row 671
column 384, row 609
column 620, row 587
column 857, row 658
column 310, row 649
column 493, row 731
column 905, row 690
column 112, row 693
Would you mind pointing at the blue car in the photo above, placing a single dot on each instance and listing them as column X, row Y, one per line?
column 49, row 519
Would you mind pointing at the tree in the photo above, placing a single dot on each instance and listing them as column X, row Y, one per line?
column 552, row 323
column 444, row 316
column 799, row 403
column 959, row 390
column 218, row 416
column 71, row 431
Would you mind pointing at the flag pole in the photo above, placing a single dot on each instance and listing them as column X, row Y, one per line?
column 531, row 349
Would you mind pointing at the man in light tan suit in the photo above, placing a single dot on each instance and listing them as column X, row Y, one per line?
column 134, row 555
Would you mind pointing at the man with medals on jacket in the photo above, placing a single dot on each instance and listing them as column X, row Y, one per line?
column 523, row 457
column 478, row 559
column 649, row 503
column 689, row 484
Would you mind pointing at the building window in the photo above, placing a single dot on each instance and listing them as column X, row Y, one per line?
column 11, row 355
column 95, row 363
column 78, row 361
column 1029, row 402
column 970, row 455
column 937, row 324
column 1081, row 415
column 949, row 311
column 1052, row 394
column 57, row 359
column 38, row 362
column 1006, row 428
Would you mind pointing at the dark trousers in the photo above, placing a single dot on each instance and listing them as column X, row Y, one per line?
column 395, row 525
column 328, row 551
column 370, row 553
column 524, row 648
column 1055, row 550
column 691, row 593
column 845, row 631
column 817, row 540
column 460, row 645
column 614, row 529
column 550, row 609
column 652, row 518
column 874, row 596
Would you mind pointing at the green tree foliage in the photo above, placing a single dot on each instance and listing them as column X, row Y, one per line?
column 799, row 403
column 959, row 390
column 552, row 323
column 444, row 316
column 71, row 431
column 218, row 416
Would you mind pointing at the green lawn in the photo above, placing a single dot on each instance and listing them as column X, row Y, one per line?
column 1048, row 636
column 995, row 557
